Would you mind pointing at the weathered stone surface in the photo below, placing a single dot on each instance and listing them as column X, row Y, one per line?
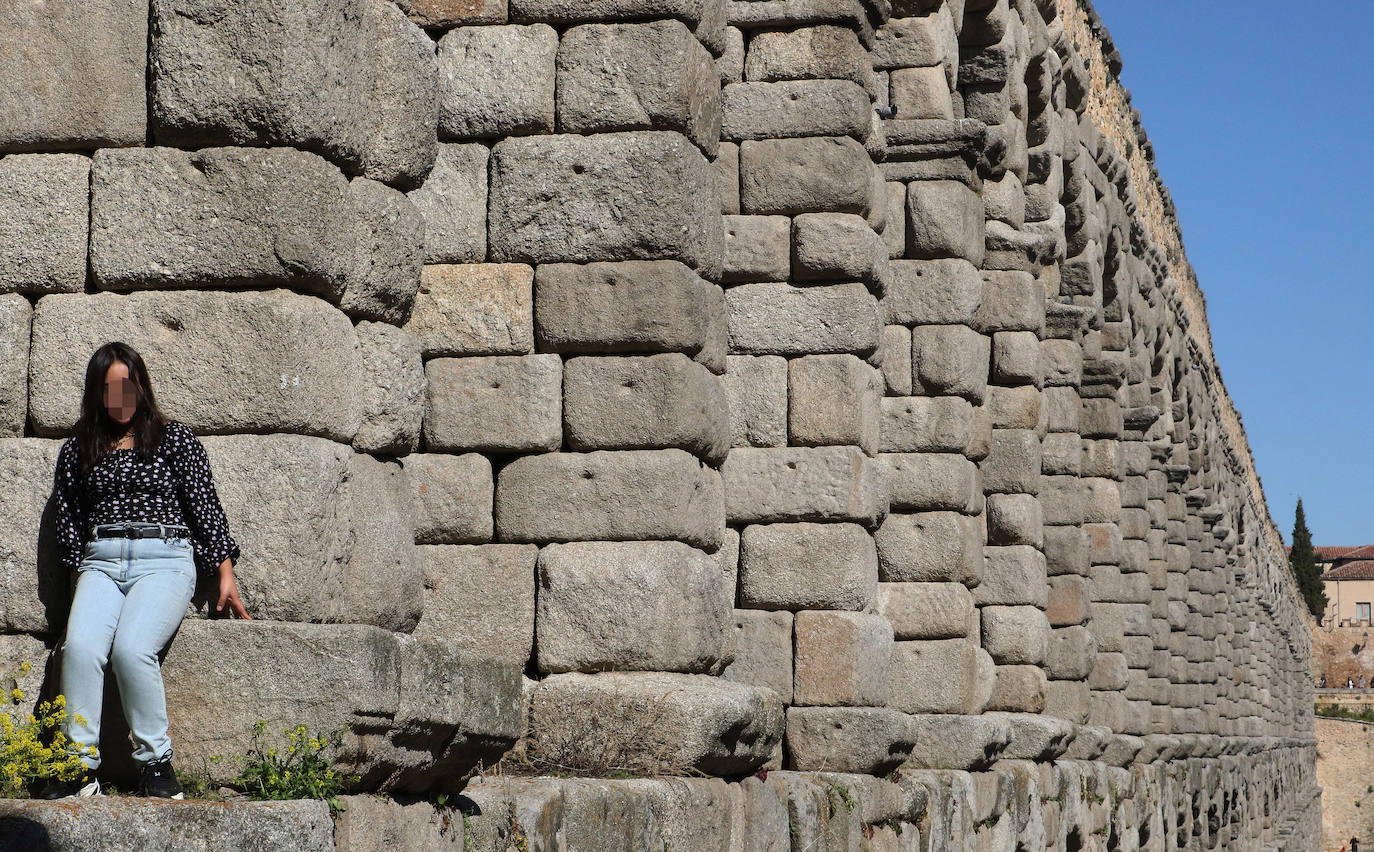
column 443, row 14
column 612, row 196
column 779, row 319
column 803, row 484
column 934, row 677
column 351, row 79
column 763, row 651
column 390, row 248
column 833, row 399
column 925, row 41
column 652, row 76
column 836, row 247
column 392, row 396
column 950, row 360
column 1012, row 301
column 807, row 566
column 920, row 424
column 692, row 721
column 922, row 93
column 1015, row 635
column 383, row 584
column 501, row 403
column 894, row 360
column 16, row 323
column 842, row 658
column 474, row 309
column 757, row 248
column 944, row 219
column 646, row 402
column 35, row 591
column 464, row 584
column 576, row 11
column 1012, row 465
column 931, row 547
column 794, row 108
column 496, row 81
column 926, row 610
column 650, row 606
column 374, row 824
column 810, row 53
column 453, row 202
column 756, row 392
column 53, row 102
column 44, row 214
column 931, row 481
column 1012, row 576
column 451, row 496
column 931, row 292
column 295, row 359
column 868, row 740
column 790, row 176
column 949, row 741
column 1015, row 519
column 611, row 496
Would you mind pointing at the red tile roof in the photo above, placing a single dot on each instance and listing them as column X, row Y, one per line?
column 1360, row 569
column 1362, row 552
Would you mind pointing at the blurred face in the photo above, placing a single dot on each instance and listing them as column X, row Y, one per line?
column 120, row 400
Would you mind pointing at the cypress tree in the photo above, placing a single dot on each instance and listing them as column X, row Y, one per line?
column 1303, row 558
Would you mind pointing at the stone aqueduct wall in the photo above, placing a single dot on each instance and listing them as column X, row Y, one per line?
column 616, row 366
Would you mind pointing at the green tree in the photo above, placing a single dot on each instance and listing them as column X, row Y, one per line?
column 1303, row 558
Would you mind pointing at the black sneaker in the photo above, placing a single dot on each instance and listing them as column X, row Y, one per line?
column 81, row 787
column 160, row 781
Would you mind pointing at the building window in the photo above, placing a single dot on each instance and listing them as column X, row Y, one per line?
column 1362, row 612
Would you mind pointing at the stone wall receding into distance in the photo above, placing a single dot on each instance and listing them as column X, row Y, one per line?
column 673, row 387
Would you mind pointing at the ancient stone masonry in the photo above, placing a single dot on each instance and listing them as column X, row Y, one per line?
column 815, row 386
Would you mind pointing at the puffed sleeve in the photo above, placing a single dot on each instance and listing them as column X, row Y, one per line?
column 69, row 515
column 200, row 503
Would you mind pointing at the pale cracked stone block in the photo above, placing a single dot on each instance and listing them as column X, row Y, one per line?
column 763, row 651
column 610, row 196
column 920, row 424
column 921, row 93
column 950, row 360
column 803, row 484
column 1014, row 519
column 811, row 53
column 1013, row 576
column 932, row 481
column 474, row 309
column 453, row 202
column 16, row 326
column 953, row 741
column 620, row 495
column 641, row 605
column 926, row 610
column 807, row 566
column 44, row 216
column 757, row 248
column 833, row 399
column 794, row 108
column 893, row 358
column 842, row 659
column 936, row 676
column 651, row 76
column 697, row 721
column 53, row 101
column 392, row 394
column 836, row 247
column 790, row 176
column 1069, row 700
column 931, row 292
column 632, row 306
column 1012, row 301
column 465, row 584
column 452, row 497
column 1019, row 689
column 779, row 319
column 650, row 402
column 1015, row 635
column 866, row 740
column 352, row 79
column 944, row 219
column 501, row 403
column 1012, row 465
column 756, row 392
column 496, row 81
column 294, row 358
column 931, row 547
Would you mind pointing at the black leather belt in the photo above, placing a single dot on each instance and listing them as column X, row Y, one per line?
column 140, row 530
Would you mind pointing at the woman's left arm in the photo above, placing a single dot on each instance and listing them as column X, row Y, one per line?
column 215, row 549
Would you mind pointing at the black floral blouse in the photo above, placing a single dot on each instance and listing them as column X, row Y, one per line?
column 175, row 487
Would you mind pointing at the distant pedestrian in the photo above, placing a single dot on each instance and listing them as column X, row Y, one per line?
column 1354, row 844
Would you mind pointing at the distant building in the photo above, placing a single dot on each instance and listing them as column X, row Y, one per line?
column 1348, row 580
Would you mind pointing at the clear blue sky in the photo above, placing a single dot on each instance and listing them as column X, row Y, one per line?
column 1260, row 116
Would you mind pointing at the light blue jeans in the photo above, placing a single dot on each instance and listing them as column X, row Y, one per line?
column 131, row 594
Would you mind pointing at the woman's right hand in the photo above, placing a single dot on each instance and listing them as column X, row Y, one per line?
column 229, row 592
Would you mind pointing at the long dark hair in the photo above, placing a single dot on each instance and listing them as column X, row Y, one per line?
column 96, row 431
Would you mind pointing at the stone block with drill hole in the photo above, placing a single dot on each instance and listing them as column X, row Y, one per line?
column 465, row 582
column 932, row 547
column 807, row 566
column 804, row 484
column 950, row 360
column 1012, row 301
column 501, row 403
column 1016, row 358
column 835, row 247
column 757, row 248
column 1019, row 689
column 763, row 651
column 756, row 392
column 927, row 610
column 1102, row 458
column 794, row 108
column 630, row 306
column 931, row 481
column 44, row 219
column 496, row 81
column 1015, row 519
column 791, row 176
column 1012, row 576
column 842, row 658
column 474, row 309
column 931, row 292
column 893, row 357
column 452, row 497
column 935, row 676
column 833, row 399
column 453, row 203
column 639, row 605
column 923, row 424
column 610, row 196
column 644, row 402
column 1012, row 465
column 866, row 740
column 1015, row 635
column 920, row 41
column 779, row 319
column 944, row 219
column 1070, row 653
column 633, row 76
column 621, row 495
